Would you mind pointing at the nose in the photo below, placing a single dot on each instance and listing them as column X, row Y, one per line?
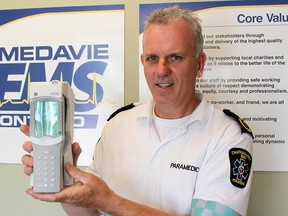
column 162, row 68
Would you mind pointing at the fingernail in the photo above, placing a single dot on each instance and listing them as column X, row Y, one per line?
column 68, row 165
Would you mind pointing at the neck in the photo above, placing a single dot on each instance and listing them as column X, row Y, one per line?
column 175, row 112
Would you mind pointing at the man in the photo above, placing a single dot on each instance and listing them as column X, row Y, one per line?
column 173, row 155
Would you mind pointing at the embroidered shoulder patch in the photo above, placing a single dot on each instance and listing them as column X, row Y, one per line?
column 240, row 166
column 244, row 127
column 129, row 106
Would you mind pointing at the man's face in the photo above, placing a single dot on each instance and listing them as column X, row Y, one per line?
column 169, row 64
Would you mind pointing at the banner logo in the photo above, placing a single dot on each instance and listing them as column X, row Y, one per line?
column 79, row 66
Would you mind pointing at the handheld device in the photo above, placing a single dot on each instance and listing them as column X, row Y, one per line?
column 51, row 133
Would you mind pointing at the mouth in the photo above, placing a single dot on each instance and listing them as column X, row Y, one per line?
column 164, row 85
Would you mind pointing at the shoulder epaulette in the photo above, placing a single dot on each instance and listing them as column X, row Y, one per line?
column 127, row 107
column 244, row 127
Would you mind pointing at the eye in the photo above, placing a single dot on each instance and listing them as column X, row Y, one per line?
column 175, row 57
column 151, row 58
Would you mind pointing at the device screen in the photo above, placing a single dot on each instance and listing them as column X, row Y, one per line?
column 46, row 118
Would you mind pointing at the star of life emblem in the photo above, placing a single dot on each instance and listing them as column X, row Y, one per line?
column 241, row 169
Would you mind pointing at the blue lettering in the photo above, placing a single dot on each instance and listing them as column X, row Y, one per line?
column 64, row 71
column 89, row 52
column 14, row 120
column 277, row 18
column 14, row 52
column 6, row 85
column 101, row 51
column 74, row 54
column 43, row 53
column 83, row 83
column 36, row 73
column 26, row 53
column 62, row 53
column 85, row 121
column 242, row 18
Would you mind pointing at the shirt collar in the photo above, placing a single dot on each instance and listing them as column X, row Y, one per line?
column 202, row 113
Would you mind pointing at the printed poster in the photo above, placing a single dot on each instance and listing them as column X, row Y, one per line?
column 246, row 69
column 83, row 46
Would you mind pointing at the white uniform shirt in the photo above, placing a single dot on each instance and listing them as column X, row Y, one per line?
column 190, row 163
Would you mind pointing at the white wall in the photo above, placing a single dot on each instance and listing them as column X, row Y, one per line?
column 268, row 195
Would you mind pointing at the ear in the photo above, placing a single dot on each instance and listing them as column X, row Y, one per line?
column 142, row 59
column 201, row 63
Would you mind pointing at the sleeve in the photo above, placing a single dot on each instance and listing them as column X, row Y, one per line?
column 96, row 164
column 207, row 208
column 225, row 175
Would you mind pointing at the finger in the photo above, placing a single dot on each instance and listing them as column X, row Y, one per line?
column 76, row 173
column 27, row 146
column 27, row 160
column 25, row 129
column 76, row 149
column 28, row 170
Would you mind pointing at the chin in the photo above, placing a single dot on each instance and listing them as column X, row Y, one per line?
column 163, row 101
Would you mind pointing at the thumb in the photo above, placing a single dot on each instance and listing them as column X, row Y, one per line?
column 76, row 149
column 76, row 173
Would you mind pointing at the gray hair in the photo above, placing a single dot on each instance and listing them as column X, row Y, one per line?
column 175, row 13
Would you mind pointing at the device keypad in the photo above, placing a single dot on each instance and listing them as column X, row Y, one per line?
column 47, row 176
